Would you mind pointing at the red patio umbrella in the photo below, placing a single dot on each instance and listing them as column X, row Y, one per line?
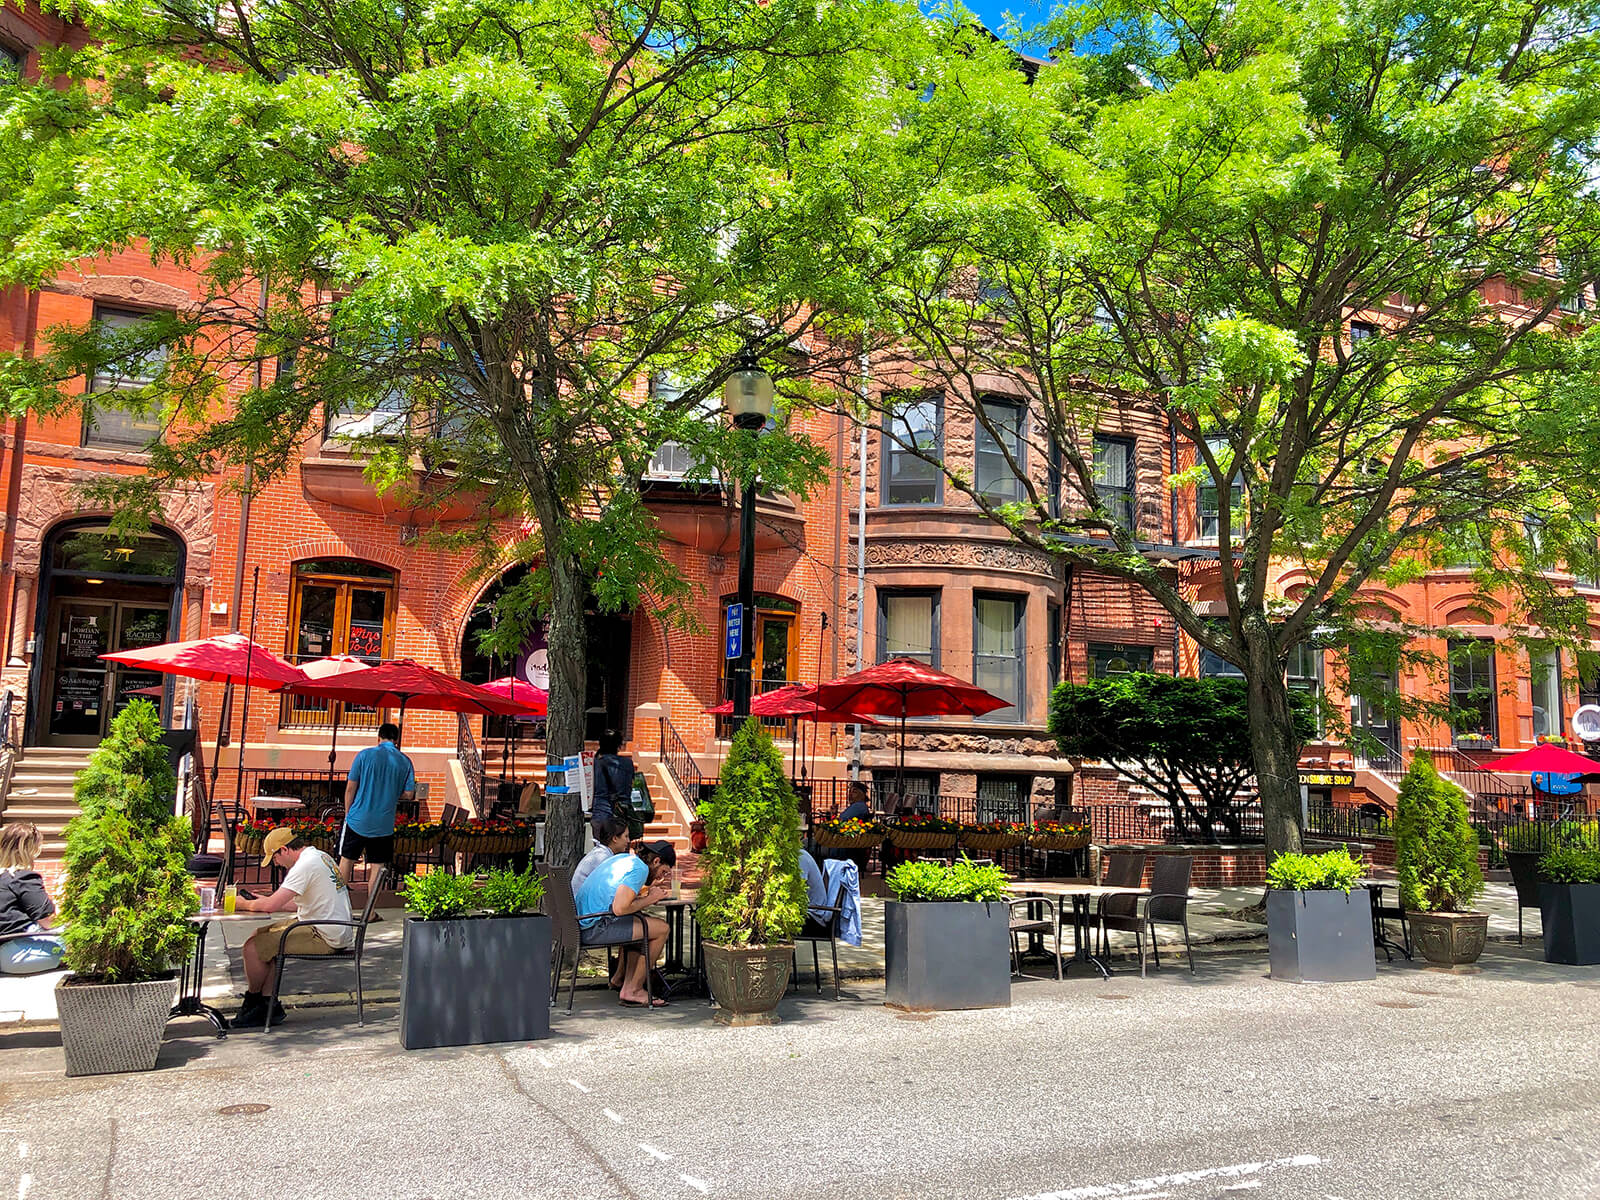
column 1557, row 760
column 328, row 668
column 904, row 687
column 230, row 658
column 405, row 683
column 796, row 700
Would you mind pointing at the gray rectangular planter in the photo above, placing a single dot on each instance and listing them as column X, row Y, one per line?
column 474, row 980
column 947, row 955
column 1570, row 913
column 1321, row 937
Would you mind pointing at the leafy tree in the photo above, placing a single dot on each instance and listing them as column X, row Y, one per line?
column 753, row 893
column 1175, row 735
column 128, row 891
column 1205, row 197
column 1435, row 846
column 486, row 225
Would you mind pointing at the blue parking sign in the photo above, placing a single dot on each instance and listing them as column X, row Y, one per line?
column 735, row 631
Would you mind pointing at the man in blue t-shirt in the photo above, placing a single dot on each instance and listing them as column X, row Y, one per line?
column 611, row 903
column 380, row 778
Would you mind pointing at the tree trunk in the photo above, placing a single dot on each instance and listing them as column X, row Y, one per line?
column 1274, row 748
column 568, row 646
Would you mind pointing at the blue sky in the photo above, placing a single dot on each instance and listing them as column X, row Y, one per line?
column 992, row 12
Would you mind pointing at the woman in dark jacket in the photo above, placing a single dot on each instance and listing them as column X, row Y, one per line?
column 25, row 907
column 613, row 781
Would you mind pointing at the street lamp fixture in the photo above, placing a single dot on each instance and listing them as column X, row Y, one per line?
column 747, row 395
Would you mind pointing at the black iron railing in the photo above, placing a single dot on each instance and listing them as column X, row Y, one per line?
column 321, row 794
column 681, row 764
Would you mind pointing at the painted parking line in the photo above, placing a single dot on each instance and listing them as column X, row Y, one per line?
column 653, row 1152
column 614, row 1117
column 578, row 1085
column 1163, row 1185
column 698, row 1185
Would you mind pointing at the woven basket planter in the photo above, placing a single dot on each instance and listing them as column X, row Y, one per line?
column 250, row 844
column 322, row 841
column 919, row 839
column 415, row 843
column 992, row 843
column 492, row 843
column 1056, row 841
column 112, row 1027
column 861, row 841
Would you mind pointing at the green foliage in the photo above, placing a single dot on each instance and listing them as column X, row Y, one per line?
column 1435, row 846
column 439, row 895
column 1571, row 865
column 962, row 880
column 753, row 892
column 128, row 891
column 1174, row 734
column 506, row 893
column 1535, row 837
column 1334, row 870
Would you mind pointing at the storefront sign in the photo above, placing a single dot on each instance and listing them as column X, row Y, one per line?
column 1328, row 778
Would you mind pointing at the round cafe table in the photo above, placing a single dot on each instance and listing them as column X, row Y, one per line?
column 192, row 977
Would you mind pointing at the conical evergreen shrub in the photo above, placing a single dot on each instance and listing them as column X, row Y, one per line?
column 128, row 890
column 753, row 892
column 1435, row 846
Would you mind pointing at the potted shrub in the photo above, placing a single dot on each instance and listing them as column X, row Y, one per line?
column 126, row 903
column 1319, row 923
column 947, row 937
column 474, row 960
column 1569, row 905
column 1436, row 858
column 753, row 898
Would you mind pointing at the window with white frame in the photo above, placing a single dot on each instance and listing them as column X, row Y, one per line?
column 1208, row 496
column 1545, row 676
column 679, row 462
column 1472, row 694
column 120, row 428
column 1304, row 674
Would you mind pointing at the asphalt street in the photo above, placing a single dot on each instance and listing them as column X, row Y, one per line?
column 1421, row 1084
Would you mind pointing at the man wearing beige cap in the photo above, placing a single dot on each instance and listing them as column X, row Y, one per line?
column 314, row 889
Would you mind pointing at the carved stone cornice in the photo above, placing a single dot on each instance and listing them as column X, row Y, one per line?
column 970, row 554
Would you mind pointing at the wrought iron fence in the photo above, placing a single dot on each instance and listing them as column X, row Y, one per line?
column 681, row 764
column 471, row 760
column 322, row 795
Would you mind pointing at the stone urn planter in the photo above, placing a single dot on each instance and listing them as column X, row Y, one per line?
column 941, row 955
column 474, row 980
column 112, row 1027
column 1321, row 936
column 1449, row 939
column 748, row 981
column 1570, row 914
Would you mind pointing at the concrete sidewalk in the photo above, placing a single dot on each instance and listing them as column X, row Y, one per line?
column 30, row 1000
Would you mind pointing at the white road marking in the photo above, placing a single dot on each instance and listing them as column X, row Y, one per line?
column 577, row 1085
column 1243, row 1187
column 698, row 1185
column 544, row 1061
column 1147, row 1189
column 612, row 1115
column 24, row 1186
column 653, row 1152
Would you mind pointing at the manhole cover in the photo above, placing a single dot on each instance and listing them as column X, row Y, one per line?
column 1111, row 996
column 243, row 1110
column 1397, row 1004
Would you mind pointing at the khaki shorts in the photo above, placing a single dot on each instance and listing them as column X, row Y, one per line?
column 307, row 939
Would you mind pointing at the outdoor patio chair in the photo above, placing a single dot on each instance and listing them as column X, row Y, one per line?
column 1123, row 869
column 351, row 953
column 1168, row 903
column 1029, row 924
column 562, row 907
column 1390, row 912
column 821, row 930
column 1525, row 878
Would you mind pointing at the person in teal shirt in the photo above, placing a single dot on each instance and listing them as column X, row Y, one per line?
column 611, row 904
column 380, row 778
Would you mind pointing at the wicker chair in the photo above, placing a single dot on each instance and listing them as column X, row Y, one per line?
column 562, row 906
column 1124, row 869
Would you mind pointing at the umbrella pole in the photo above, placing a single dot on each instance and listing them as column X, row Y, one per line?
column 333, row 748
column 508, row 743
column 244, row 719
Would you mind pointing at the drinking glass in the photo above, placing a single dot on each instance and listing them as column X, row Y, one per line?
column 208, row 899
column 230, row 898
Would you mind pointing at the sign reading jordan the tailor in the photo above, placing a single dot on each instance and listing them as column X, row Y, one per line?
column 735, row 631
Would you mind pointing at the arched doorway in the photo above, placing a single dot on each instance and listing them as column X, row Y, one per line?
column 98, row 594
column 609, row 640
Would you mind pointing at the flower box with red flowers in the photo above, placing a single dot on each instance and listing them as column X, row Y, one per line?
column 922, row 831
column 1059, row 835
column 991, row 837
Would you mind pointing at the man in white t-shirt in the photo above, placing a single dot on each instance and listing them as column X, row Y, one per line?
column 314, row 889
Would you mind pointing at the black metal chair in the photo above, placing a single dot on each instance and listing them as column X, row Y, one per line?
column 1033, row 926
column 1524, row 870
column 1123, row 869
column 824, row 929
column 568, row 933
column 351, row 953
column 1389, row 912
column 1168, row 903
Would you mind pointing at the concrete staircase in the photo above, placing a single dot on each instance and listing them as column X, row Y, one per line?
column 41, row 792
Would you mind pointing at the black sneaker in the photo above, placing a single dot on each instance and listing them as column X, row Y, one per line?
column 251, row 1016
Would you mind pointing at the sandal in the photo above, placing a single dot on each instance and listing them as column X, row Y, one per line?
column 656, row 1002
